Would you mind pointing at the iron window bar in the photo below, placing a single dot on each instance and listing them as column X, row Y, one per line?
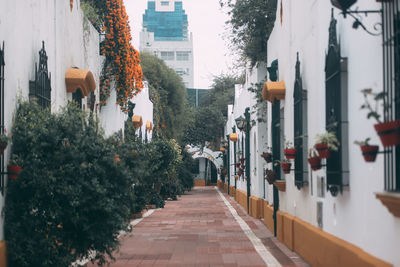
column 2, row 78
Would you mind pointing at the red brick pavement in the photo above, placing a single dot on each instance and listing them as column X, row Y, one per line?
column 198, row 230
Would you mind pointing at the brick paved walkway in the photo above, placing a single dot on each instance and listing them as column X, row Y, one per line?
column 199, row 230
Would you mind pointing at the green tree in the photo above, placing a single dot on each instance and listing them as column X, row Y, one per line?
column 251, row 23
column 168, row 94
column 206, row 122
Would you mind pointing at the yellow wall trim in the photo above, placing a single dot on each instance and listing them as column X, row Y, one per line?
column 232, row 191
column 199, row 183
column 256, row 207
column 3, row 254
column 317, row 247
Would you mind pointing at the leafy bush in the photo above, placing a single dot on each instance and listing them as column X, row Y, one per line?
column 185, row 175
column 71, row 196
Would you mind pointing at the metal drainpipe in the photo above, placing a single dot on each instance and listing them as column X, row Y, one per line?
column 229, row 162
column 247, row 117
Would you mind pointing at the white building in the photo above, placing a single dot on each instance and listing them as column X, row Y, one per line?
column 165, row 35
column 333, row 216
column 53, row 41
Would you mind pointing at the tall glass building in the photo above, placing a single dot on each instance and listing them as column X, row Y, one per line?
column 166, row 25
column 165, row 34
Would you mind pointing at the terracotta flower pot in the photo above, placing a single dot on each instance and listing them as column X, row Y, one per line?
column 270, row 176
column 286, row 167
column 13, row 171
column 267, row 157
column 290, row 153
column 323, row 150
column 389, row 132
column 315, row 163
column 3, row 146
column 369, row 153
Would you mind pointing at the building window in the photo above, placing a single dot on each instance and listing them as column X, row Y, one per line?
column 336, row 112
column 300, row 129
column 276, row 136
column 165, row 3
column 40, row 88
column 180, row 72
column 168, row 55
column 391, row 85
column 182, row 56
column 91, row 101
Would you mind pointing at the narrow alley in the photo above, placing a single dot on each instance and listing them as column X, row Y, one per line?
column 200, row 230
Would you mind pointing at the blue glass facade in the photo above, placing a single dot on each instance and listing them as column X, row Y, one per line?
column 167, row 26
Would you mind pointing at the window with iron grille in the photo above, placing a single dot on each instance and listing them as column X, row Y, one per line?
column 391, row 85
column 276, row 136
column 40, row 88
column 336, row 112
column 77, row 97
column 300, row 129
column 2, row 65
column 91, row 101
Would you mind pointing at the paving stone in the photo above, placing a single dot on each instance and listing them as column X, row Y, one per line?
column 198, row 230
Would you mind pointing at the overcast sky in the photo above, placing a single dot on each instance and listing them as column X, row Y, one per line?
column 207, row 23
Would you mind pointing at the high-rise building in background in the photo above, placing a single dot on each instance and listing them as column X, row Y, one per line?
column 165, row 34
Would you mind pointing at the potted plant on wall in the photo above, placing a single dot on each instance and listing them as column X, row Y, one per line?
column 269, row 176
column 388, row 131
column 14, row 167
column 267, row 156
column 313, row 159
column 289, row 151
column 325, row 143
column 369, row 151
column 285, row 165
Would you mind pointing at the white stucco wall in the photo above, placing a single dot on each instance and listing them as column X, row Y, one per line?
column 243, row 99
column 70, row 41
column 144, row 108
column 356, row 215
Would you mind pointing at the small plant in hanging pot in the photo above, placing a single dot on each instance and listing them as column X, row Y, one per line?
column 270, row 176
column 267, row 156
column 285, row 165
column 388, row 130
column 14, row 167
column 313, row 159
column 289, row 151
column 369, row 151
column 325, row 143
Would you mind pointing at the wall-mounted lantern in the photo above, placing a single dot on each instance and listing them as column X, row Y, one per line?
column 149, row 126
column 233, row 137
column 137, row 121
column 240, row 123
column 345, row 5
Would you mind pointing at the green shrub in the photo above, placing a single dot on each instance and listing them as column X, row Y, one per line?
column 70, row 197
column 185, row 175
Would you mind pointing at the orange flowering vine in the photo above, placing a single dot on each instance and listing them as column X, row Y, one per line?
column 122, row 63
